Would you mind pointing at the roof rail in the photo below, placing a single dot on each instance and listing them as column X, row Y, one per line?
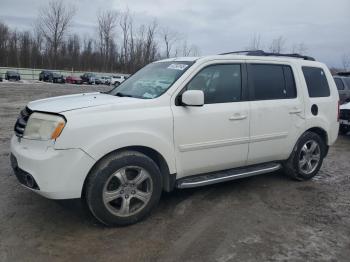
column 343, row 73
column 263, row 53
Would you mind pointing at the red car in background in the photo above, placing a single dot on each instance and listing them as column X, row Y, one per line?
column 74, row 80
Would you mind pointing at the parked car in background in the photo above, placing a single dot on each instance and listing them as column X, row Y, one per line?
column 88, row 78
column 12, row 75
column 117, row 80
column 96, row 80
column 105, row 80
column 74, row 80
column 342, row 81
column 213, row 119
column 58, row 78
column 49, row 76
column 344, row 118
column 45, row 76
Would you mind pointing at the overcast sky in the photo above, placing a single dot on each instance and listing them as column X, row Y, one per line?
column 221, row 25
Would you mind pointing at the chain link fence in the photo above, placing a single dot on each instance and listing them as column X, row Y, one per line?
column 33, row 74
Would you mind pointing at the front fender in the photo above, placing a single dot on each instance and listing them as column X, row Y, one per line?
column 103, row 145
column 100, row 148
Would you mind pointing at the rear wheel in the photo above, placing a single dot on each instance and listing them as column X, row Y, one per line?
column 123, row 188
column 307, row 157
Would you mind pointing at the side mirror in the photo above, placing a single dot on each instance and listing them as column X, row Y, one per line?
column 192, row 98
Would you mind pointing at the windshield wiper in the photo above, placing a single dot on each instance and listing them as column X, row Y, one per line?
column 123, row 94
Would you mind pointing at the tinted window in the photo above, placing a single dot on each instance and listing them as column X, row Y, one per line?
column 339, row 83
column 220, row 83
column 271, row 82
column 347, row 81
column 316, row 81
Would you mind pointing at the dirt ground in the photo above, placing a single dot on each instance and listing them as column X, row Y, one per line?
column 262, row 218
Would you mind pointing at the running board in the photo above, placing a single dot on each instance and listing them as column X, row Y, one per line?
column 226, row 175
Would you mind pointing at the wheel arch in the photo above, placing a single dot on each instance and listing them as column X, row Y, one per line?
column 168, row 179
column 323, row 134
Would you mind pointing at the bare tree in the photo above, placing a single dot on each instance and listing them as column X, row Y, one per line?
column 4, row 42
column 125, row 24
column 53, row 22
column 107, row 23
column 300, row 49
column 150, row 45
column 345, row 59
column 51, row 46
column 255, row 43
column 169, row 38
column 277, row 45
column 188, row 50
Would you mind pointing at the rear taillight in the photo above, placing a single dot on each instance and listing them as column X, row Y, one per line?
column 338, row 110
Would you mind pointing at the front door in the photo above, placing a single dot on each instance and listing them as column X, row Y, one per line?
column 215, row 136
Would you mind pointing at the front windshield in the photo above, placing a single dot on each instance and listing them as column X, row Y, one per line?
column 152, row 80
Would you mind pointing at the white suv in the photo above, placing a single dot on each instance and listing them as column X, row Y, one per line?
column 213, row 119
column 117, row 80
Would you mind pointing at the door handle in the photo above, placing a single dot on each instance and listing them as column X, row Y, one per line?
column 295, row 111
column 237, row 117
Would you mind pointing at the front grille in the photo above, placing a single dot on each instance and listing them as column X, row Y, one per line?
column 22, row 121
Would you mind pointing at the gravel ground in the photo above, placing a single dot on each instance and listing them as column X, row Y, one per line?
column 267, row 217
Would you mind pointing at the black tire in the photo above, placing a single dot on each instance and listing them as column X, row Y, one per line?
column 291, row 166
column 101, row 174
column 116, row 84
column 343, row 130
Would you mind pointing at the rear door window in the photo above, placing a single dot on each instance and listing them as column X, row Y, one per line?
column 271, row 81
column 316, row 81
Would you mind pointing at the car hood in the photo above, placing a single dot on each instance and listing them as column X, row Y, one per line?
column 72, row 102
column 345, row 106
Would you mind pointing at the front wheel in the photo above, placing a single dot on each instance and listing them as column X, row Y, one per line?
column 123, row 188
column 306, row 158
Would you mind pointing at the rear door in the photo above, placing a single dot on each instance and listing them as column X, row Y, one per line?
column 277, row 111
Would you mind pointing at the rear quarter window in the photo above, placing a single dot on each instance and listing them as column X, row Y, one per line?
column 316, row 81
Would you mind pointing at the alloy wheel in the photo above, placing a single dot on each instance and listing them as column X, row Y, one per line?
column 309, row 157
column 127, row 191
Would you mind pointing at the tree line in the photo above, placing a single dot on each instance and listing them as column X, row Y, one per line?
column 118, row 44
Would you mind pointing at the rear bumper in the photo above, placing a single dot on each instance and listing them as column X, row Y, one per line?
column 58, row 174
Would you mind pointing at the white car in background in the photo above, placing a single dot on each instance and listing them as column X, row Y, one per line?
column 117, row 80
column 105, row 80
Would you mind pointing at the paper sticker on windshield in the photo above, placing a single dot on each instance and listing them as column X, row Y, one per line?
column 178, row 66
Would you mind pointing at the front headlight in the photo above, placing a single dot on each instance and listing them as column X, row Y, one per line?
column 42, row 126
